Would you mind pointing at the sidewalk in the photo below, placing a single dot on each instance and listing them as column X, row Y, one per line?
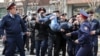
column 27, row 53
column 99, row 47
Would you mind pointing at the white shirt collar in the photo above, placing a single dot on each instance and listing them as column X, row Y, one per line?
column 11, row 15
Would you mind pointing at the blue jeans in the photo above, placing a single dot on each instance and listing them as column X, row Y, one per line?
column 41, row 45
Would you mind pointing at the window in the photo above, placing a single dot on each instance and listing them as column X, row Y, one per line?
column 2, row 12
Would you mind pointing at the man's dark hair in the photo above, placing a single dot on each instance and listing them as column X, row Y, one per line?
column 56, row 11
column 41, row 9
column 90, row 12
column 64, row 14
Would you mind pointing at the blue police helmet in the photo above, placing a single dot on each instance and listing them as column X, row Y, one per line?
column 84, row 13
column 11, row 5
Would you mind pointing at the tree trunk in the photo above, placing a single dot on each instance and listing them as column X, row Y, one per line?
column 25, row 6
column 13, row 0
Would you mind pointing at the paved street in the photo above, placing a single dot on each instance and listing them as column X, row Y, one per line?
column 27, row 53
column 99, row 47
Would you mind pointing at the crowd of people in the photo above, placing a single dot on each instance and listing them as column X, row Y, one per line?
column 50, row 33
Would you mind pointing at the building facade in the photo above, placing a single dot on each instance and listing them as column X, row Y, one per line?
column 71, row 7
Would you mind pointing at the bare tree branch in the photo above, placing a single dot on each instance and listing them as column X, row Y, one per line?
column 25, row 5
column 93, row 4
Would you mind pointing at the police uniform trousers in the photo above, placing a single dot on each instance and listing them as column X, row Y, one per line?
column 95, row 45
column 14, row 41
column 85, row 50
column 71, row 48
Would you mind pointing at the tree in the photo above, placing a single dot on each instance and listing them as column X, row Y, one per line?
column 25, row 5
column 13, row 0
column 93, row 4
column 35, row 3
column 62, row 6
column 6, row 2
column 56, row 4
column 59, row 5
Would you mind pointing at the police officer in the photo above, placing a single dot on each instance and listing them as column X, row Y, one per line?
column 84, row 38
column 63, row 40
column 95, row 25
column 13, row 26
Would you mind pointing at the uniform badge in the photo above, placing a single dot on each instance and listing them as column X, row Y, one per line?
column 85, row 28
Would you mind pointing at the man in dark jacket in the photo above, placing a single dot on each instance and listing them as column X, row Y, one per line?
column 42, row 36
